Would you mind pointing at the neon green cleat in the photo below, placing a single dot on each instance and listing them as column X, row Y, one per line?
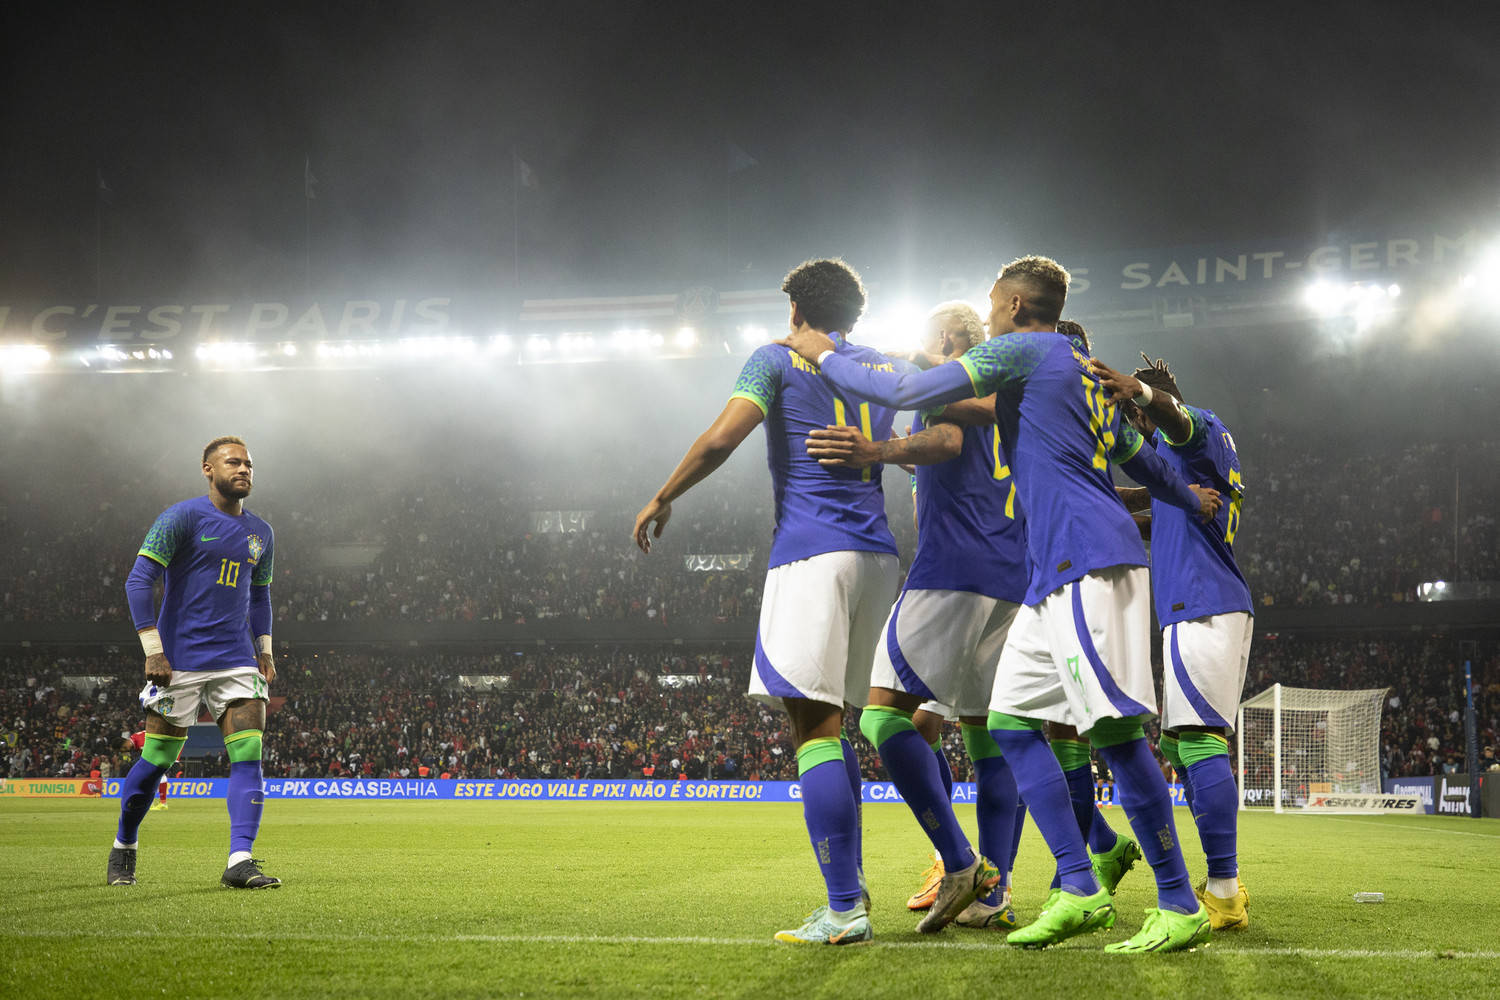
column 825, row 926
column 1064, row 916
column 1166, row 930
column 1112, row 865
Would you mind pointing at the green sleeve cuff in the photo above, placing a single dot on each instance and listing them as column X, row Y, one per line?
column 765, row 410
column 153, row 557
column 1195, row 427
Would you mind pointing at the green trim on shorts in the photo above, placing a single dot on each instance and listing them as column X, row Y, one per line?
column 978, row 742
column 162, row 751
column 881, row 722
column 1071, row 754
column 1015, row 723
column 1196, row 746
column 243, row 746
column 1170, row 751
column 819, row 751
column 936, row 745
column 1113, row 732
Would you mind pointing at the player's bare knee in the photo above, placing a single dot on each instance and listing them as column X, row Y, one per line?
column 157, row 725
column 242, row 714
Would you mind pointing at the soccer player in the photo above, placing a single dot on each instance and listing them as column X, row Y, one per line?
column 1203, row 605
column 832, row 571
column 209, row 647
column 1078, row 651
column 944, row 634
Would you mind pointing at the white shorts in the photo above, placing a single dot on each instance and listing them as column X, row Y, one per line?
column 1082, row 654
column 934, row 707
column 943, row 645
column 819, row 623
column 188, row 690
column 1204, row 674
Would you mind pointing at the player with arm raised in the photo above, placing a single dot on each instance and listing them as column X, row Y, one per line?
column 209, row 647
column 943, row 638
column 1206, row 615
column 832, row 571
column 1079, row 650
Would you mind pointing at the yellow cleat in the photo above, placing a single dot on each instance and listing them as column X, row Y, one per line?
column 1231, row 914
column 932, row 880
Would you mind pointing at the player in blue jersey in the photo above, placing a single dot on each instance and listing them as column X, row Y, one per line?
column 1079, row 650
column 210, row 647
column 943, row 638
column 1203, row 606
column 831, row 575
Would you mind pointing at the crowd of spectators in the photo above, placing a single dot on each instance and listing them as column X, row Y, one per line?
column 592, row 711
column 1366, row 529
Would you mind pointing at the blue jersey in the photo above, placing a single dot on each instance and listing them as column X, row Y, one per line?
column 212, row 560
column 1193, row 572
column 818, row 508
column 1058, row 432
column 970, row 533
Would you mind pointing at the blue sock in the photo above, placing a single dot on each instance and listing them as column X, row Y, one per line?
column 832, row 824
column 857, row 786
column 136, row 793
column 1143, row 794
column 1096, row 829
column 1040, row 780
column 1216, row 812
column 246, row 800
column 1015, row 844
column 996, row 805
column 1186, row 781
column 914, row 771
column 945, row 772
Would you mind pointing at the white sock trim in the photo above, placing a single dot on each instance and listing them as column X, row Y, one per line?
column 125, row 847
column 237, row 857
column 1224, row 888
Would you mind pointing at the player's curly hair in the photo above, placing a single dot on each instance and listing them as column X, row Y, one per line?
column 828, row 292
column 1075, row 331
column 215, row 444
column 965, row 316
column 1045, row 283
column 1157, row 375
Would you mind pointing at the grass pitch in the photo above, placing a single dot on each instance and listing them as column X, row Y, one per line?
column 463, row 899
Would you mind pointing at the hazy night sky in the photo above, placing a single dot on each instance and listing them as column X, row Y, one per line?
column 899, row 135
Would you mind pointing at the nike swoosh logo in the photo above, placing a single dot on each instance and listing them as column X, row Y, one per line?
column 205, row 538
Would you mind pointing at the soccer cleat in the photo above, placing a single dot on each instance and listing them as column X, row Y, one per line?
column 956, row 891
column 864, row 890
column 158, row 805
column 121, row 866
column 825, row 926
column 1166, row 930
column 247, row 875
column 1226, row 914
column 982, row 914
column 1064, row 916
column 931, row 879
column 1112, row 865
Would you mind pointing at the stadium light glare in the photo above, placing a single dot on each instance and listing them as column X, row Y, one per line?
column 23, row 357
column 500, row 344
column 290, row 350
column 138, row 355
column 753, row 336
column 686, row 338
column 167, row 354
column 1324, row 297
column 657, row 340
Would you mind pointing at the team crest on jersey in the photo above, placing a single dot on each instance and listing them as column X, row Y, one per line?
column 257, row 546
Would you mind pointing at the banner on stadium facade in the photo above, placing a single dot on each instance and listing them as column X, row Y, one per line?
column 493, row 790
column 1368, row 802
column 49, row 788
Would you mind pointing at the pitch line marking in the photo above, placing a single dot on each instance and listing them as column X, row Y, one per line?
column 1424, row 829
column 626, row 939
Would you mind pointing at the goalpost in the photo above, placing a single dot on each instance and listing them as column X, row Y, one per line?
column 1296, row 742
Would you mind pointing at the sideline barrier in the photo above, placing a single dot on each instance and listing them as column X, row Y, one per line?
column 493, row 790
column 48, row 788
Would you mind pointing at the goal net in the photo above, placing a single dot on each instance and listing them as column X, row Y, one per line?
column 1296, row 742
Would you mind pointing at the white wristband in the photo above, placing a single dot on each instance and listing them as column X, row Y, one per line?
column 264, row 642
column 1144, row 397
column 823, row 357
column 151, row 642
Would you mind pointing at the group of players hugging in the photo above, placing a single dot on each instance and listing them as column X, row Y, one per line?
column 1024, row 613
